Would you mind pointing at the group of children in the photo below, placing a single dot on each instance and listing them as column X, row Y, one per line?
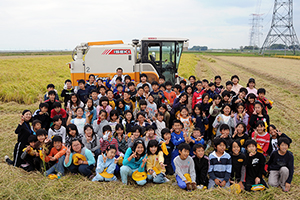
column 152, row 130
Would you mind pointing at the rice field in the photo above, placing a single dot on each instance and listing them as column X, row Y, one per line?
column 31, row 75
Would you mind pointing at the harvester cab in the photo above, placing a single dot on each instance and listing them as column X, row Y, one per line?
column 153, row 56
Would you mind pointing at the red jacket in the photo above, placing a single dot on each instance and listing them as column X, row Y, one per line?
column 62, row 112
column 197, row 97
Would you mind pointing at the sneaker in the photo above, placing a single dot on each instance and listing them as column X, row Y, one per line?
column 9, row 161
column 166, row 179
column 188, row 186
column 59, row 175
column 194, row 186
column 207, row 146
column 200, row 187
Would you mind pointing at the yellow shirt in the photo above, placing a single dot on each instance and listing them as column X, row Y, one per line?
column 154, row 160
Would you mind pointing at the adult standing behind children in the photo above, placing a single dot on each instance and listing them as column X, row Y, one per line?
column 67, row 91
column 119, row 72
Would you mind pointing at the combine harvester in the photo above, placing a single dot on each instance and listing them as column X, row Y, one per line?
column 153, row 56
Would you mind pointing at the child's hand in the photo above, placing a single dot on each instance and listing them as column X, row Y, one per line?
column 68, row 152
column 133, row 154
column 184, row 134
column 235, row 132
column 47, row 140
column 203, row 114
column 87, row 114
column 70, row 113
column 104, row 158
column 22, row 120
column 279, row 133
column 254, row 112
column 162, row 165
column 167, row 141
column 232, row 114
column 116, row 160
column 217, row 182
column 145, row 159
column 147, row 110
column 257, row 180
column 223, row 183
column 194, row 120
column 287, row 187
column 153, row 118
column 149, row 120
column 27, row 148
column 52, row 158
column 241, row 185
column 219, row 119
column 37, row 154
column 151, row 171
column 244, row 112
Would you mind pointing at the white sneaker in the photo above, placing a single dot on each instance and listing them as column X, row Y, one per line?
column 166, row 179
column 6, row 157
column 200, row 187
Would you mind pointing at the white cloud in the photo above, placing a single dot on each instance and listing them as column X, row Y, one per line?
column 63, row 24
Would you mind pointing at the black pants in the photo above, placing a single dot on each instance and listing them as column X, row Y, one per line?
column 17, row 154
column 249, row 183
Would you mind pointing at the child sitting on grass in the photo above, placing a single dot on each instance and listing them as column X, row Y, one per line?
column 79, row 121
column 150, row 135
column 185, row 168
column 166, row 139
column 281, row 166
column 106, row 165
column 255, row 163
column 57, row 129
column 72, row 134
column 201, row 166
column 177, row 137
column 108, row 139
column 220, row 165
column 91, row 140
column 42, row 115
column 29, row 153
column 275, row 136
column 56, row 155
column 155, row 163
column 67, row 91
column 261, row 137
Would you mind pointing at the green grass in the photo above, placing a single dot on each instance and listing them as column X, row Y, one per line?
column 28, row 53
column 25, row 79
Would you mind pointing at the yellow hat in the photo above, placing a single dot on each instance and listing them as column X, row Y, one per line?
column 157, row 171
column 235, row 188
column 120, row 161
column 139, row 176
column 164, row 148
column 52, row 176
column 188, row 177
column 105, row 174
column 258, row 187
column 76, row 157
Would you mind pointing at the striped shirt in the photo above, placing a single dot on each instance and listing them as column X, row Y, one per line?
column 219, row 167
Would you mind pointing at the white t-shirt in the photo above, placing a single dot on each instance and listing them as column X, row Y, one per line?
column 226, row 118
column 160, row 126
column 80, row 125
column 60, row 132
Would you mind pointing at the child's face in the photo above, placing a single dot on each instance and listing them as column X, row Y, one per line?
column 196, row 134
column 151, row 133
column 258, row 108
column 32, row 144
column 192, row 80
column 155, row 87
column 79, row 112
column 141, row 118
column 251, row 148
column 76, row 146
column 119, row 131
column 57, row 109
column 121, row 105
column 139, row 149
column 235, row 148
column 221, row 148
column 128, row 116
column 212, row 88
column 189, row 90
column 240, row 109
column 150, row 99
column 228, row 87
column 182, row 86
column 160, row 118
column 235, row 81
column 161, row 81
column 88, row 132
column 161, row 109
column 95, row 95
column 57, row 145
column 197, row 111
column 69, row 85
column 44, row 109
column 143, row 79
column 218, row 81
column 226, row 98
column 102, row 91
column 184, row 153
column 251, row 85
column 169, row 87
column 167, row 136
column 89, row 103
column 205, row 100
column 162, row 89
column 251, row 100
column 153, row 149
column 120, row 89
column 260, row 129
column 283, row 147
column 217, row 101
column 126, row 96
column 140, row 91
column 199, row 152
column 81, row 86
column 132, row 88
column 72, row 132
column 225, row 133
column 204, row 84
column 240, row 128
column 104, row 103
column 227, row 110
column 114, row 117
column 110, row 95
column 261, row 95
column 136, row 134
column 177, row 127
column 111, row 153
column 74, row 99
column 58, row 123
column 176, row 90
column 50, row 89
column 92, row 79
column 146, row 89
column 184, row 113
column 272, row 131
column 118, row 82
column 52, row 97
column 37, row 126
column 41, row 138
column 242, row 95
column 102, row 116
column 199, row 86
column 127, row 80
column 143, row 107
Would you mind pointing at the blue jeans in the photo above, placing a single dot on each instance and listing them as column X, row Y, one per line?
column 160, row 178
column 98, row 177
column 211, row 183
column 126, row 171
column 174, row 154
column 58, row 167
column 85, row 170
column 180, row 182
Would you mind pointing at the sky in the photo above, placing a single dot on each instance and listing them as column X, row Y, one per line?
column 63, row 24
